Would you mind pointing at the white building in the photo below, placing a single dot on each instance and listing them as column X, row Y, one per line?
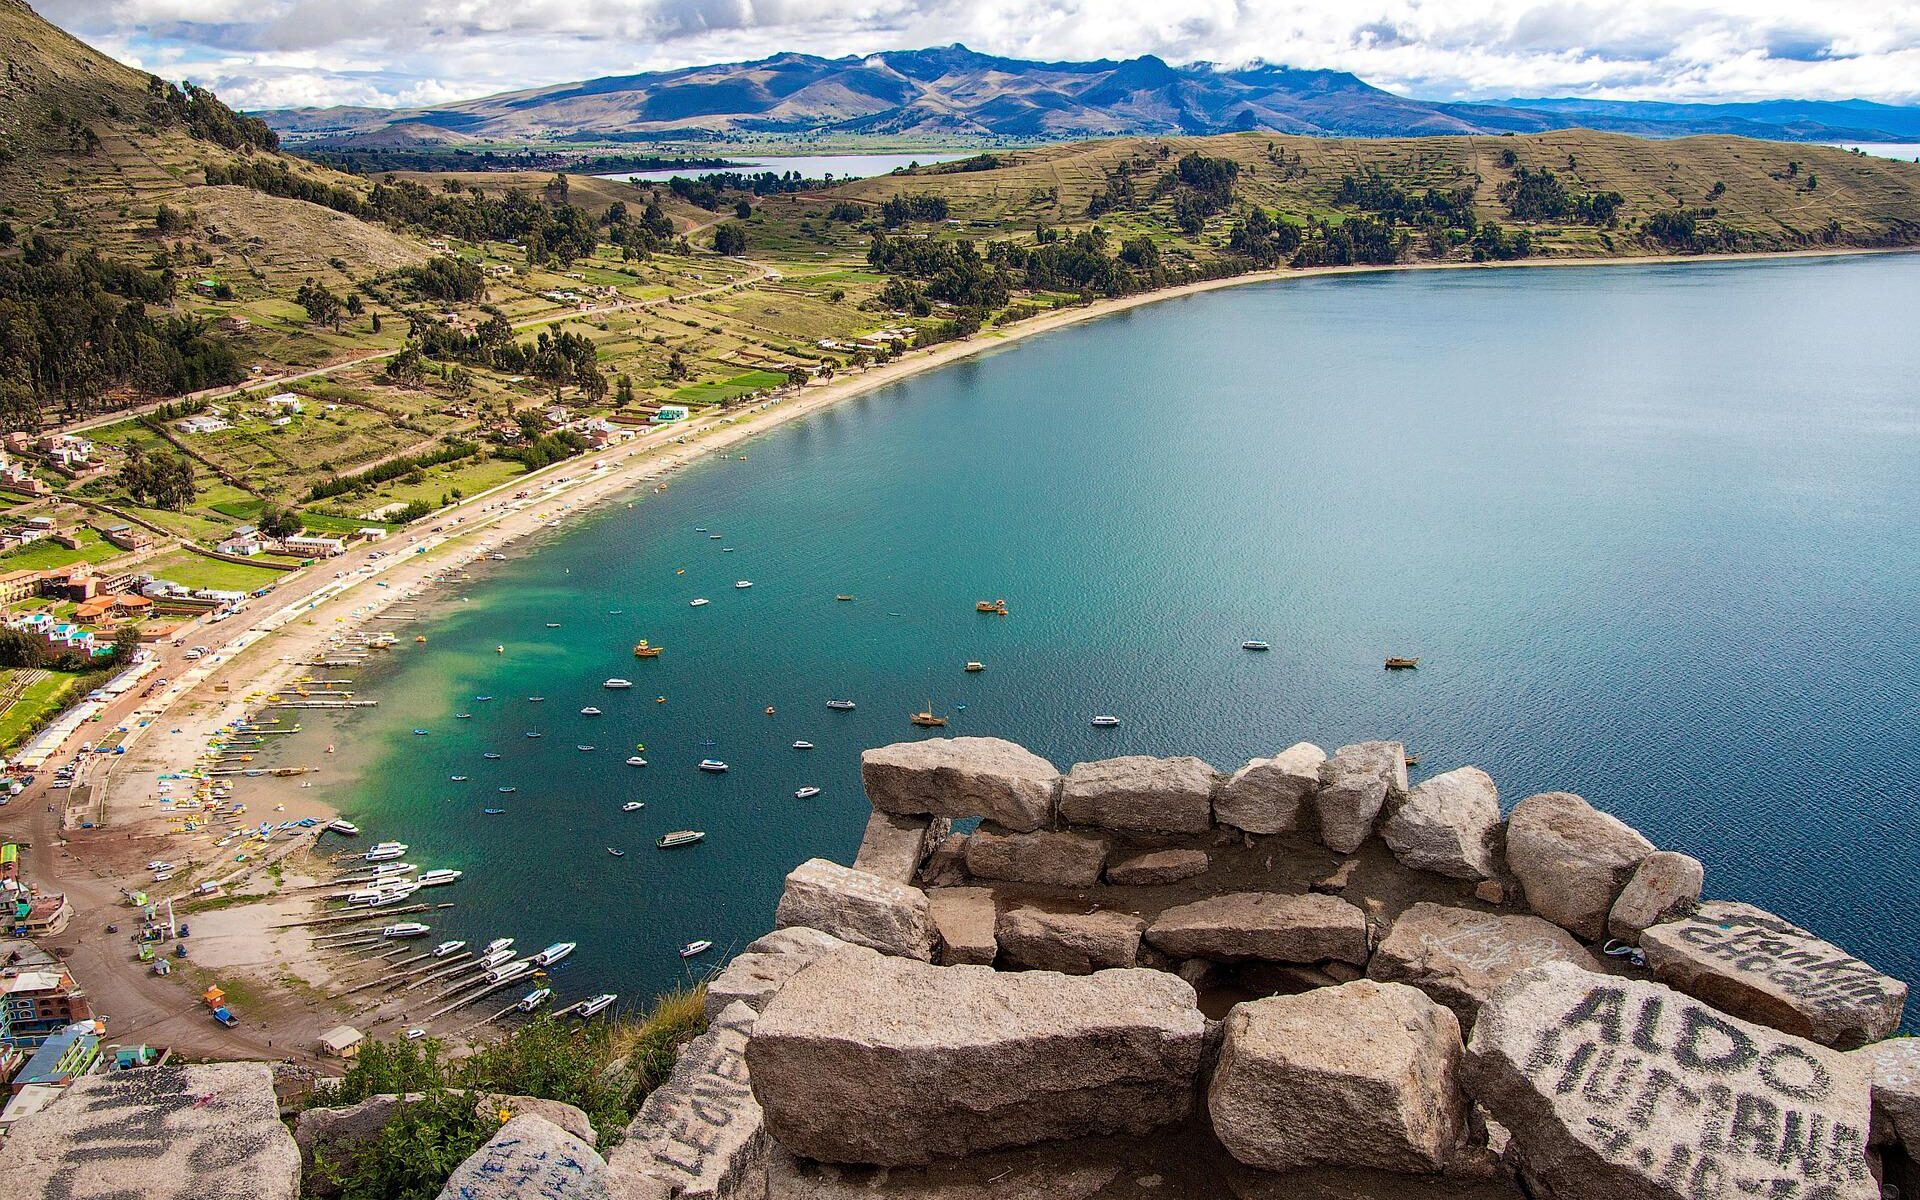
column 205, row 423
column 313, row 544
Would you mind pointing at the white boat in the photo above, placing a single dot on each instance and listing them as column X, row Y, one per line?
column 438, row 876
column 534, row 999
column 385, row 870
column 680, row 837
column 346, row 827
column 617, row 685
column 840, row 705
column 803, row 745
column 394, row 895
column 743, row 583
column 692, row 948
column 806, row 793
column 597, row 1005
column 589, row 711
column 632, row 806
column 554, row 953
column 1106, row 722
column 636, row 761
column 386, row 850
column 713, row 765
column 489, row 961
column 446, row 948
column 506, row 971
column 698, row 601
column 1254, row 644
column 406, row 929
column 497, row 945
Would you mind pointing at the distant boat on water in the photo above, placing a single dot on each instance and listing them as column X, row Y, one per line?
column 597, row 1005
column 1106, row 722
column 347, row 828
column 693, row 949
column 713, row 766
column 1254, row 644
column 698, row 601
column 633, row 806
column 840, row 705
column 1402, row 664
column 803, row 745
column 554, row 953
column 806, row 793
column 617, row 685
column 634, row 760
column 680, row 837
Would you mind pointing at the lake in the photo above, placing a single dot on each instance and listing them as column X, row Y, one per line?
column 1909, row 151
column 1653, row 531
column 810, row 166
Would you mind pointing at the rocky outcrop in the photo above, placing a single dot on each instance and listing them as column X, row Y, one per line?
column 764, row 968
column 1071, row 943
column 1355, row 784
column 1571, row 859
column 893, row 846
column 865, row 1058
column 164, row 1133
column 1140, row 794
column 1614, row 1088
column 531, row 1158
column 1263, row 925
column 1055, row 857
column 1271, row 795
column 962, row 777
column 1665, row 885
column 1447, row 825
column 964, row 918
column 1459, row 956
column 857, row 907
column 333, row 1139
column 1158, row 866
column 1894, row 1068
column 700, row 1135
column 946, row 864
column 1748, row 962
column 1362, row 1075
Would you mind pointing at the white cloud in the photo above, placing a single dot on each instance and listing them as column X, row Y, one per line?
column 276, row 52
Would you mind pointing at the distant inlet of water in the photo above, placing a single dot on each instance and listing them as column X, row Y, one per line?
column 1653, row 532
column 810, row 166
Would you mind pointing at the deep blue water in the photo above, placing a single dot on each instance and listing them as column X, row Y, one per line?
column 1654, row 533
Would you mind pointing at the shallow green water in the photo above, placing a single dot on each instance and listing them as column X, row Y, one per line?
column 1651, row 530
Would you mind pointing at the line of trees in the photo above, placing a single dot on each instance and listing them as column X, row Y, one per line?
column 340, row 485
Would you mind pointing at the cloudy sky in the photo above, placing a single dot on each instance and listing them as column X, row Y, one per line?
column 268, row 53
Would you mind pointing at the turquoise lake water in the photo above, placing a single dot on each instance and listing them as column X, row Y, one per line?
column 1654, row 533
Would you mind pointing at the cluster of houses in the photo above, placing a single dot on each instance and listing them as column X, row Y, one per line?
column 35, row 529
column 247, row 540
column 59, row 634
column 72, row 456
column 879, row 339
column 278, row 410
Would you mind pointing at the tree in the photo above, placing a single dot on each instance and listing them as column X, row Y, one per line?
column 158, row 480
column 676, row 366
column 279, row 520
column 407, row 367
column 729, row 239
column 323, row 307
column 798, row 376
column 355, row 305
column 460, row 383
column 623, row 391
column 742, row 209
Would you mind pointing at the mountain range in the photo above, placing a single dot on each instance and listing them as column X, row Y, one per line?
column 955, row 92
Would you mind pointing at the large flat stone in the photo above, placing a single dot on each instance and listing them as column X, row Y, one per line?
column 208, row 1132
column 1355, row 784
column 1271, row 795
column 965, row 917
column 1071, row 943
column 1447, row 825
column 700, row 1134
column 1263, row 925
column 1056, row 857
column 893, row 846
column 530, row 1158
column 1140, row 794
column 857, row 907
column 755, row 975
column 1753, row 964
column 1571, row 859
column 1665, row 885
column 1459, row 956
column 962, row 777
column 1361, row 1075
column 1894, row 1066
column 865, row 1058
column 1158, row 866
column 1614, row 1088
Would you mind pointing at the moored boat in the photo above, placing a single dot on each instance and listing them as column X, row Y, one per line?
column 643, row 649
column 1106, row 722
column 498, row 944
column 439, row 875
column 997, row 607
column 806, row 793
column 840, row 705
column 695, row 948
column 803, row 745
column 405, row 929
column 506, row 971
column 713, row 766
column 743, row 583
column 973, row 667
column 348, row 828
column 385, row 850
column 597, row 1005
column 634, row 760
column 450, row 947
column 617, row 684
column 589, row 711
column 616, row 853
column 1254, row 644
column 554, row 953
column 534, row 999
column 680, row 837
column 698, row 601
column 633, row 806
column 1402, row 664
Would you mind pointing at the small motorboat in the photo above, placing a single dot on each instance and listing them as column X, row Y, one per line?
column 714, row 537
column 492, row 812
column 713, row 766
column 463, row 716
column 617, row 685
column 769, row 710
column 405, row 929
column 586, row 749
column 534, row 999
column 645, row 650
column 616, row 853
column 499, row 649
column 1402, row 664
column 680, row 837
column 536, row 699
column 1254, row 644
column 496, row 946
column 634, row 760
column 996, row 607
column 419, row 733
column 348, row 828
column 553, row 624
column 385, row 851
column 1106, row 722
column 633, row 806
column 596, row 1006
column 481, row 699
column 928, row 718
column 589, row 711
column 554, row 953
column 743, row 583
column 446, row 948
column 974, row 668
column 840, row 705
column 507, row 791
column 698, row 601
column 438, row 876
column 533, row 733
column 843, row 598
column 803, row 745
column 693, row 949
column 491, row 754
column 806, row 793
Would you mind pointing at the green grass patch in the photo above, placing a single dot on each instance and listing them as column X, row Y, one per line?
column 239, row 510
column 38, row 701
column 46, row 554
column 195, row 571
column 731, row 389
